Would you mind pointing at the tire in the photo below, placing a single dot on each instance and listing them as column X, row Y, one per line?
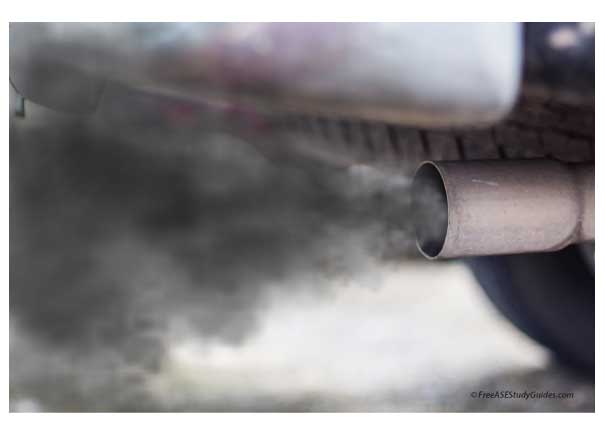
column 548, row 296
column 536, row 128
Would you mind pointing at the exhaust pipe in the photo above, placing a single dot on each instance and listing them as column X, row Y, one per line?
column 502, row 207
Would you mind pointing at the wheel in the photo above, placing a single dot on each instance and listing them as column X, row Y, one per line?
column 549, row 296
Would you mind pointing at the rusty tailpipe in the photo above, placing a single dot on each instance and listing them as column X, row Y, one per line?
column 502, row 207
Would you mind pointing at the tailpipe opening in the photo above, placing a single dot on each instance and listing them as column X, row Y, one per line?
column 430, row 209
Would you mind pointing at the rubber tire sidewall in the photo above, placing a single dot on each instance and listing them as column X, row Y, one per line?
column 549, row 296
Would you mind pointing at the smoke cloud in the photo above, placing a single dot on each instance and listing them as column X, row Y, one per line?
column 121, row 242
